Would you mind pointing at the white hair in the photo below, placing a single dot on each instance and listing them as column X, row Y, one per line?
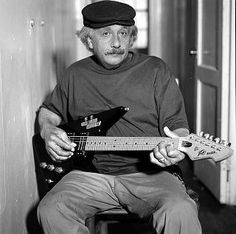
column 87, row 32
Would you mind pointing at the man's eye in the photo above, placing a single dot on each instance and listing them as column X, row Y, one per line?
column 124, row 33
column 105, row 34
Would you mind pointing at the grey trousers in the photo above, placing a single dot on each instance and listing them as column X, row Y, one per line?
column 159, row 197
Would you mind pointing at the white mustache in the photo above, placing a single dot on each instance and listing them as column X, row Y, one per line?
column 115, row 51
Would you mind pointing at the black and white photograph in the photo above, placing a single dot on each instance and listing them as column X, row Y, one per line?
column 117, row 117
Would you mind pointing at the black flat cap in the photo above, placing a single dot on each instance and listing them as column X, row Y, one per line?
column 105, row 13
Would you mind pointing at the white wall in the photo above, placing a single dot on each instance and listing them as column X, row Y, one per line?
column 37, row 42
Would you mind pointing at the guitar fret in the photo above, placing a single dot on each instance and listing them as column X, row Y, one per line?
column 121, row 143
column 83, row 143
column 98, row 143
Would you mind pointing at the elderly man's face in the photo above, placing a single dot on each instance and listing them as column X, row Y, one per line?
column 111, row 45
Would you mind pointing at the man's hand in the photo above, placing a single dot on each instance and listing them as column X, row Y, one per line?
column 165, row 155
column 57, row 144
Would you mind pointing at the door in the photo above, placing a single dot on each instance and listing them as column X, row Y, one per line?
column 208, row 73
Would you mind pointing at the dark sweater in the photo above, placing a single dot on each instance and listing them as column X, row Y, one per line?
column 142, row 83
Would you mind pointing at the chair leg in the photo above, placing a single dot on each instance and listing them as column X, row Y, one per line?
column 102, row 226
column 90, row 223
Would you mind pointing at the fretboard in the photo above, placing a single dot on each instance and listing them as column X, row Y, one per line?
column 98, row 143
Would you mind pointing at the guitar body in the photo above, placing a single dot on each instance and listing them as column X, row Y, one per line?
column 50, row 171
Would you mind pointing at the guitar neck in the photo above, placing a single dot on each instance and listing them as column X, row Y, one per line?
column 97, row 143
column 194, row 146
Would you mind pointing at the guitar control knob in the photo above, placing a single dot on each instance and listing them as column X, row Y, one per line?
column 50, row 167
column 49, row 181
column 59, row 170
column 43, row 164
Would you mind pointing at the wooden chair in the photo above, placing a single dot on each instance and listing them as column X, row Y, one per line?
column 99, row 224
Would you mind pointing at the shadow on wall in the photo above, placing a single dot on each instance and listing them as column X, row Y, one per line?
column 33, row 227
column 59, row 63
column 32, row 224
column 59, row 67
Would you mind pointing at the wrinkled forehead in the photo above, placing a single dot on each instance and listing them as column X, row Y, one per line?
column 115, row 27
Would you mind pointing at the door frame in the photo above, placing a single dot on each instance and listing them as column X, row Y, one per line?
column 226, row 113
column 228, row 126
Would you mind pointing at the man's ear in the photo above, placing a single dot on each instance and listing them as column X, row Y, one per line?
column 131, row 41
column 90, row 43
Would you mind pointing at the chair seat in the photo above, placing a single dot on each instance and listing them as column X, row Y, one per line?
column 114, row 214
column 99, row 223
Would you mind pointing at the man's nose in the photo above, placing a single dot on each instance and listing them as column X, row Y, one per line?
column 115, row 41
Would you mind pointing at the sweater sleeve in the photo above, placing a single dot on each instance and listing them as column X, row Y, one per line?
column 57, row 100
column 170, row 103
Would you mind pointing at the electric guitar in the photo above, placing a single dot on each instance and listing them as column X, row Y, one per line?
column 88, row 134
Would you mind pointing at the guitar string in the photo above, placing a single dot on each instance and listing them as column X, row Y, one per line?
column 118, row 143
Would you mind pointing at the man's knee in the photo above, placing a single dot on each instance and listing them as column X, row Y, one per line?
column 179, row 207
column 185, row 207
column 175, row 208
column 47, row 208
column 177, row 214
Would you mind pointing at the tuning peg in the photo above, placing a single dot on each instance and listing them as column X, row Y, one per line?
column 226, row 143
column 223, row 142
column 211, row 138
column 201, row 134
column 206, row 135
column 217, row 140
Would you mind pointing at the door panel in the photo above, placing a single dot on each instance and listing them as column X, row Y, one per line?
column 208, row 75
column 209, row 27
column 209, row 108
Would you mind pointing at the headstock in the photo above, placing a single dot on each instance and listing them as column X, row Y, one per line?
column 205, row 146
